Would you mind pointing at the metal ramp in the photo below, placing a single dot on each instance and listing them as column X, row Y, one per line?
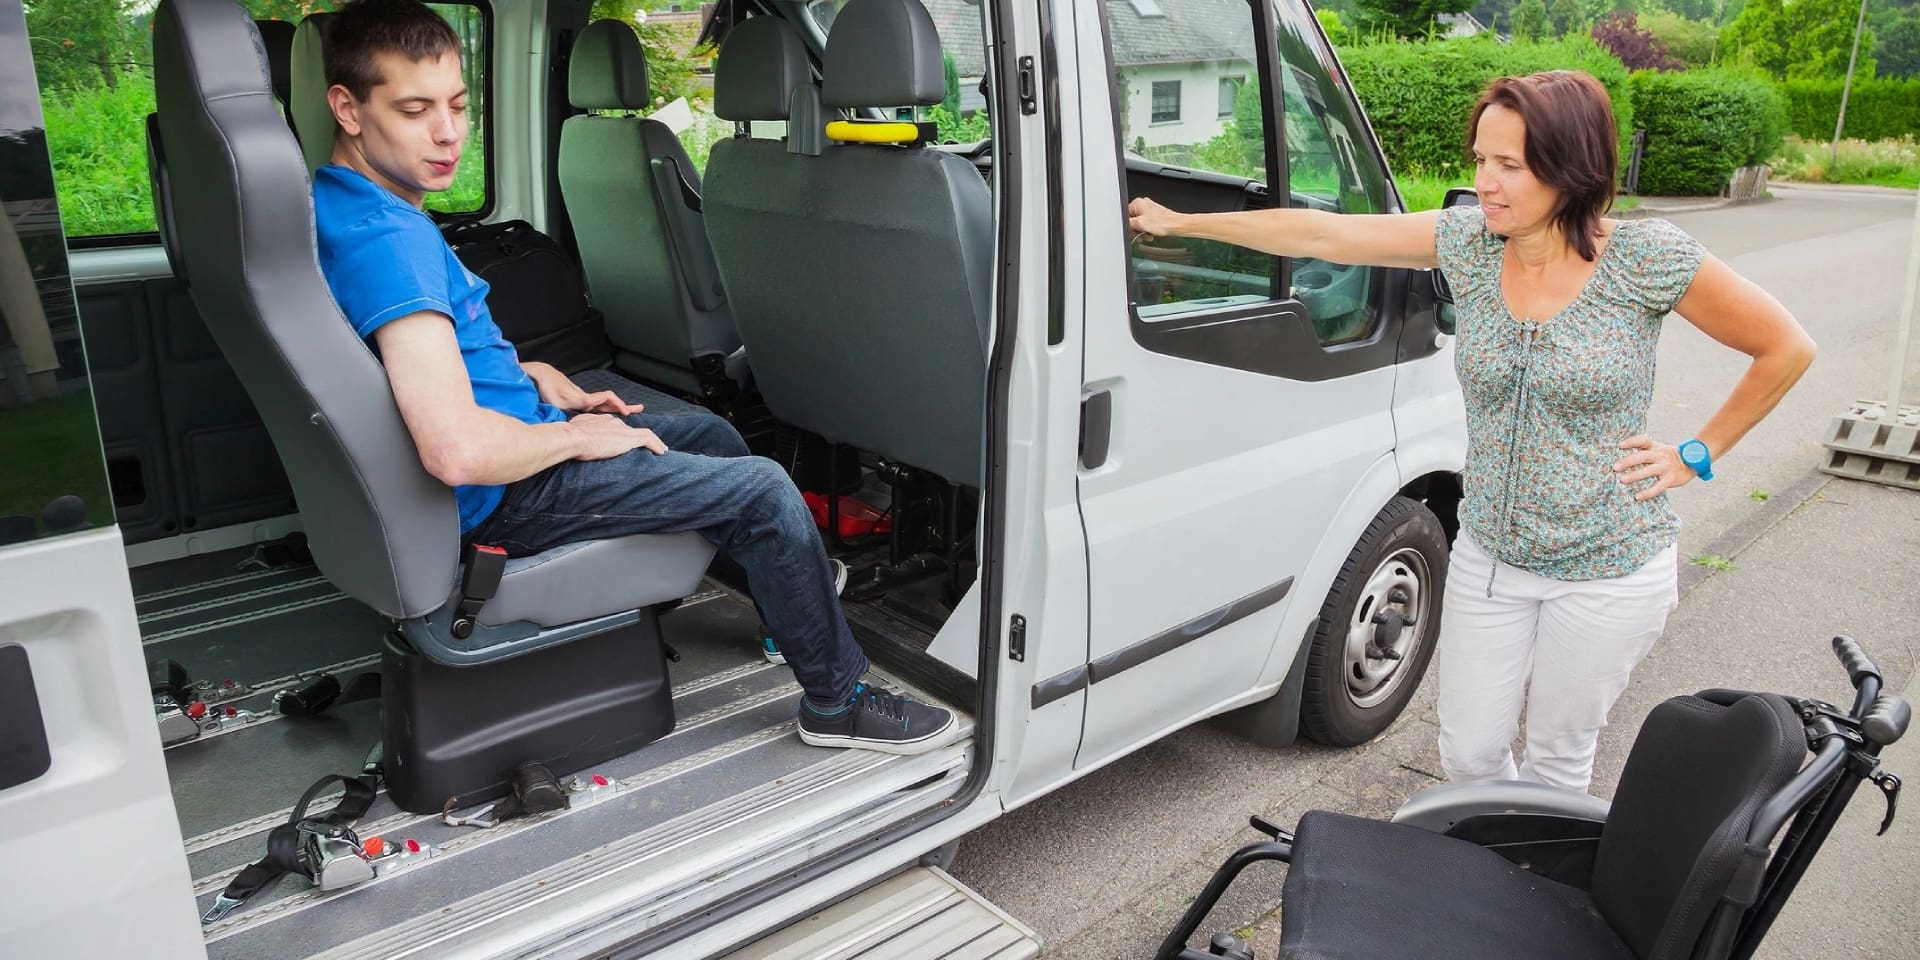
column 922, row 914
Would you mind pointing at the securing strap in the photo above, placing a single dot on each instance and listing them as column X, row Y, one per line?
column 316, row 695
column 535, row 790
column 285, row 842
column 479, row 579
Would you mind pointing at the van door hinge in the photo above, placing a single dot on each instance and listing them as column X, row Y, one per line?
column 1017, row 639
column 1029, row 99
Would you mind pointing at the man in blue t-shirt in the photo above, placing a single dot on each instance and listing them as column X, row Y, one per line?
column 535, row 461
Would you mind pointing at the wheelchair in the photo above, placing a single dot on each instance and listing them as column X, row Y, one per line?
column 1726, row 797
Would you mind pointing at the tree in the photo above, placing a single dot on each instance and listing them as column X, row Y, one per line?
column 1496, row 14
column 1335, row 29
column 1694, row 42
column 1820, row 40
column 669, row 70
column 1898, row 51
column 1759, row 37
column 1637, row 48
column 81, row 43
column 1530, row 20
column 1408, row 18
column 1690, row 9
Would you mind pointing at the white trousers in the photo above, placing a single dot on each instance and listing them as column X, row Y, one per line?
column 1563, row 648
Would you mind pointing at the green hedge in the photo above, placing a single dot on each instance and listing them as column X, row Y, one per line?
column 1701, row 125
column 1876, row 109
column 1419, row 95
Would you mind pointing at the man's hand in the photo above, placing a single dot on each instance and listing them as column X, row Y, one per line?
column 560, row 390
column 605, row 436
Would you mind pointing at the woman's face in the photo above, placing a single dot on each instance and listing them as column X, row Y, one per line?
column 1516, row 203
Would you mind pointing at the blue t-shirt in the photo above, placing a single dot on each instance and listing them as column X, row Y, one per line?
column 384, row 259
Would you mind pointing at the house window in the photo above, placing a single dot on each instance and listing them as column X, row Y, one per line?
column 1229, row 91
column 1166, row 101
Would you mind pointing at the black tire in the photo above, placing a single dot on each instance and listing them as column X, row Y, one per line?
column 1348, row 699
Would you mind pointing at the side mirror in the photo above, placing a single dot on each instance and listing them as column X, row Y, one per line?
column 1443, row 294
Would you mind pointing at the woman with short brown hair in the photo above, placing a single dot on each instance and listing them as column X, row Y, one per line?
column 1565, row 568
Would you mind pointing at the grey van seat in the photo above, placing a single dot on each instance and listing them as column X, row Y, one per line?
column 307, row 91
column 242, row 228
column 634, row 198
column 860, row 279
column 565, row 664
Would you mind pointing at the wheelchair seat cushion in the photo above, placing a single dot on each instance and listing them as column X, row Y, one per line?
column 1362, row 889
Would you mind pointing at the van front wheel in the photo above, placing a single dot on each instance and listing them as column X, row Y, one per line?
column 1377, row 629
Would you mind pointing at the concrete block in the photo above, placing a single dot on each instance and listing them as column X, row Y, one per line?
column 1866, row 430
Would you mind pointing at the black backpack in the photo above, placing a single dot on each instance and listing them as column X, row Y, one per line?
column 537, row 294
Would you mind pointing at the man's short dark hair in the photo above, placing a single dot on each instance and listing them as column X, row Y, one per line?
column 362, row 30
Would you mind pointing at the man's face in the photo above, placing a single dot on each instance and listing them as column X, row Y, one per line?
column 408, row 134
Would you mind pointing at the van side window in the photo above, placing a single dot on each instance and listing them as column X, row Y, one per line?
column 1193, row 134
column 94, row 62
column 1330, row 166
column 53, row 475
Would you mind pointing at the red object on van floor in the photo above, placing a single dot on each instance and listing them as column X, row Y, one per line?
column 857, row 518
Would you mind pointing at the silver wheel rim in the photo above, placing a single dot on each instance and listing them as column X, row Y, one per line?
column 1370, row 681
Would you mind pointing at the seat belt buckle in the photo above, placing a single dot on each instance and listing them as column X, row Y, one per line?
column 481, row 569
column 333, row 858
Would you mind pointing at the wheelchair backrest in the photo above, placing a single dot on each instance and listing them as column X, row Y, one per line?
column 1677, row 836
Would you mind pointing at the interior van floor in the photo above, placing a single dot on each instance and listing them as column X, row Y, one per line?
column 693, row 817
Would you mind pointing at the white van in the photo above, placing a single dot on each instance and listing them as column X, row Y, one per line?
column 1190, row 481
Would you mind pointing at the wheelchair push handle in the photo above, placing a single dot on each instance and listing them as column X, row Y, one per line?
column 1887, row 721
column 1859, row 665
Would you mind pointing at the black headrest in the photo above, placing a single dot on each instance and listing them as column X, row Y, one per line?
column 883, row 53
column 761, row 63
column 608, row 70
column 277, row 37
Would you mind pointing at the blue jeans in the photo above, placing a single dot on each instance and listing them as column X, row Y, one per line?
column 706, row 482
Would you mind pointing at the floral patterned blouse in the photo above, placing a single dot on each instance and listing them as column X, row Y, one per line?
column 1548, row 402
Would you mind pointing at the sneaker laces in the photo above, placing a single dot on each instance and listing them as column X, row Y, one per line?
column 889, row 705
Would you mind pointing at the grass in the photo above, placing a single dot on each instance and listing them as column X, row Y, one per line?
column 49, row 449
column 1759, row 496
column 1713, row 562
column 1884, row 163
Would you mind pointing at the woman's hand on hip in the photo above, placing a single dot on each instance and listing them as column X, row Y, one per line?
column 1648, row 458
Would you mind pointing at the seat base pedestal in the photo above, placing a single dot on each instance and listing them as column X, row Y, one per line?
column 461, row 731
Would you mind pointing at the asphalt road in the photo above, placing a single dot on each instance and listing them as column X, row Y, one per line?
column 1103, row 868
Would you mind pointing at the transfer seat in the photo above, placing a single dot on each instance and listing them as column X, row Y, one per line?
column 470, row 692
column 861, row 279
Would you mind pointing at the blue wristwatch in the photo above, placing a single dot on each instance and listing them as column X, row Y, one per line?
column 1694, row 454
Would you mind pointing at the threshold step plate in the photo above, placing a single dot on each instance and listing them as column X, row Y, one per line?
column 922, row 914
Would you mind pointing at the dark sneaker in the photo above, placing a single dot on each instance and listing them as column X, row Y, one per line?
column 874, row 719
column 771, row 650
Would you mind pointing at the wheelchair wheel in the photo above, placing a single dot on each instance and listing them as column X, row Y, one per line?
column 1377, row 629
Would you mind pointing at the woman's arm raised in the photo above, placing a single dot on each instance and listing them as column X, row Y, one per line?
column 1386, row 240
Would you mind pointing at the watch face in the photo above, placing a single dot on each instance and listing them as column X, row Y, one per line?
column 1692, row 451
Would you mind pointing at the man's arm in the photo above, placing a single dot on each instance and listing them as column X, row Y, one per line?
column 559, row 389
column 461, row 442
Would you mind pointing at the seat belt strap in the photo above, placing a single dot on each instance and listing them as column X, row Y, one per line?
column 480, row 574
column 284, row 842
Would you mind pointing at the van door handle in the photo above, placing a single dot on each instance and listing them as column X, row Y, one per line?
column 1096, row 429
